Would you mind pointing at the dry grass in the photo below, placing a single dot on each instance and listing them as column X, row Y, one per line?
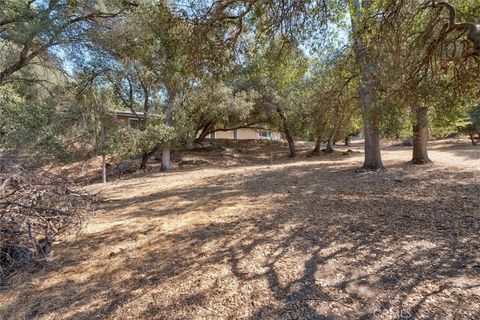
column 308, row 238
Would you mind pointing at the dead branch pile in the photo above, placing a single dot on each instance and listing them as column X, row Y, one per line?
column 34, row 209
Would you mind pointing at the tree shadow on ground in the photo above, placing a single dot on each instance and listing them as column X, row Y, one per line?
column 307, row 241
column 227, row 154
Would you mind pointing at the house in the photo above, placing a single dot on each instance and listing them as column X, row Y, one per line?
column 129, row 118
column 247, row 133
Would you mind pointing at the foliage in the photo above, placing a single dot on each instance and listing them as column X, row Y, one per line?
column 127, row 142
column 223, row 65
column 276, row 72
column 475, row 117
column 471, row 126
column 332, row 99
column 30, row 125
column 214, row 106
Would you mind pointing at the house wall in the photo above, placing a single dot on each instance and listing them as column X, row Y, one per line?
column 247, row 133
column 242, row 134
column 123, row 119
column 224, row 135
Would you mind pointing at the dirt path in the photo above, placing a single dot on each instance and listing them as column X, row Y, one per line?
column 301, row 239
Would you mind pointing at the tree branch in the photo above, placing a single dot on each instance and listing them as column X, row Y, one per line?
column 453, row 24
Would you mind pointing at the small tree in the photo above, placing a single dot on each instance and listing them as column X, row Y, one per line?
column 277, row 75
column 214, row 107
column 332, row 98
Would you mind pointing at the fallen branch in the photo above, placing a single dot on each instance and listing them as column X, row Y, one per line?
column 35, row 208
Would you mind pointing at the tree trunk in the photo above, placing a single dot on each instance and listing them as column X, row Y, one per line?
column 165, row 160
column 470, row 130
column 103, row 141
column 318, row 145
column 473, row 139
column 172, row 94
column 318, row 140
column 206, row 130
column 146, row 156
column 366, row 65
column 143, row 163
column 286, row 131
column 104, row 169
column 373, row 158
column 420, row 136
column 330, row 142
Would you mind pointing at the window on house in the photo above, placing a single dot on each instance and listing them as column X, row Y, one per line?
column 263, row 134
column 134, row 123
column 212, row 135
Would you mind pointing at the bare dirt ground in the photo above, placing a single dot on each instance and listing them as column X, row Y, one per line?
column 255, row 235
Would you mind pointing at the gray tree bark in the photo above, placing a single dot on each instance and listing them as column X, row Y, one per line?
column 104, row 169
column 366, row 65
column 330, row 142
column 420, row 136
column 172, row 94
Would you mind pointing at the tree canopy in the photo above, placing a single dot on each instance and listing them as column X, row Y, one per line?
column 318, row 70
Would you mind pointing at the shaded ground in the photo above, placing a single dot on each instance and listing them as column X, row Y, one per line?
column 219, row 153
column 308, row 238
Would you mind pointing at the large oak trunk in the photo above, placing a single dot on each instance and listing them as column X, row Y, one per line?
column 169, row 122
column 373, row 157
column 286, row 131
column 420, row 136
column 366, row 65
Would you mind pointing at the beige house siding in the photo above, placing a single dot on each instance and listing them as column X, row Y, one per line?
column 224, row 135
column 247, row 133
column 239, row 134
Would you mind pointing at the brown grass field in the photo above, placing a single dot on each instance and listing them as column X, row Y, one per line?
column 244, row 232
